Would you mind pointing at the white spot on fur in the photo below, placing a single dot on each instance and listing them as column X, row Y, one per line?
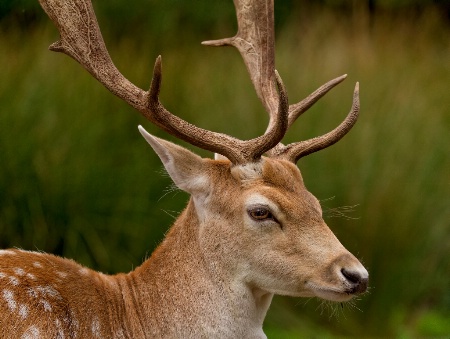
column 95, row 327
column 61, row 274
column 23, row 311
column 32, row 292
column 2, row 275
column 48, row 291
column 9, row 298
column 46, row 305
column 75, row 322
column 60, row 334
column 31, row 276
column 83, row 271
column 18, row 271
column 37, row 264
column 5, row 252
column 31, row 333
column 14, row 281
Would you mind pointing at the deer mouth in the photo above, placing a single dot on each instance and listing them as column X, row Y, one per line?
column 331, row 293
column 348, row 282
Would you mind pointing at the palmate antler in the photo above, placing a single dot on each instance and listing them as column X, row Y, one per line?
column 81, row 39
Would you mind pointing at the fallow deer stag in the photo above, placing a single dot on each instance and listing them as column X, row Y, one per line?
column 249, row 231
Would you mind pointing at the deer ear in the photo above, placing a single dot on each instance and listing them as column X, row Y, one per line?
column 186, row 169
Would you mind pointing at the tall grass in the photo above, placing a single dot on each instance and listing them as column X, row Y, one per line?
column 76, row 178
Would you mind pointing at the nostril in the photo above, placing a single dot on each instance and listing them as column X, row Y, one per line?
column 359, row 282
column 353, row 277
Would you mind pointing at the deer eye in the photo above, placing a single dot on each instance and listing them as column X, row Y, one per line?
column 260, row 213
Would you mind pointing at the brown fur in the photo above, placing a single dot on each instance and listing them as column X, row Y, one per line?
column 213, row 275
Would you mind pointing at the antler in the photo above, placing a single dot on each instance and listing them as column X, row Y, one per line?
column 293, row 152
column 81, row 39
column 255, row 41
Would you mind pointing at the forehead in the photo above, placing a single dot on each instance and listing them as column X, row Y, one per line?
column 282, row 174
column 271, row 173
column 278, row 181
column 283, row 184
column 280, row 185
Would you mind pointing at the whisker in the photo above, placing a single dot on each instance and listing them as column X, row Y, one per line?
column 337, row 309
column 170, row 214
column 340, row 212
column 169, row 189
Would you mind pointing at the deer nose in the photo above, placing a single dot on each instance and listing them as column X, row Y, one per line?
column 357, row 279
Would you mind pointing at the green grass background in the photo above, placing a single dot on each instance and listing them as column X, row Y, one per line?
column 77, row 179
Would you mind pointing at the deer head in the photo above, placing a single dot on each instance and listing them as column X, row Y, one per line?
column 250, row 230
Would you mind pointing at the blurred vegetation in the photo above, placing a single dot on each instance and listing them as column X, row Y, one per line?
column 161, row 17
column 77, row 179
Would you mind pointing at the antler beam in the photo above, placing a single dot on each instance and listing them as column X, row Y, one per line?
column 255, row 42
column 81, row 39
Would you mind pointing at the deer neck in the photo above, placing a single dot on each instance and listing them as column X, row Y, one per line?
column 183, row 280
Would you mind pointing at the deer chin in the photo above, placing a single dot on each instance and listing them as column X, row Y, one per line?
column 330, row 293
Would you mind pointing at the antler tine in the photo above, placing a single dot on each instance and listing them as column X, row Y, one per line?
column 255, row 42
column 81, row 39
column 212, row 141
column 276, row 131
column 293, row 152
column 298, row 109
column 237, row 151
